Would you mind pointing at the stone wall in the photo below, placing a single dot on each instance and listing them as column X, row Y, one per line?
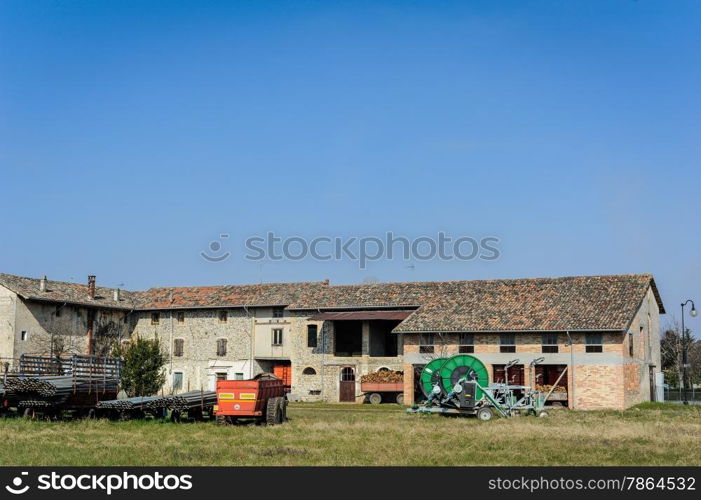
column 42, row 328
column 199, row 330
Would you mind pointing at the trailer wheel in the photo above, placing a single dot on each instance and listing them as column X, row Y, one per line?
column 400, row 398
column 284, row 410
column 375, row 398
column 484, row 414
column 273, row 412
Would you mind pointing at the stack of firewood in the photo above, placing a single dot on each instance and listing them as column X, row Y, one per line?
column 383, row 377
column 546, row 388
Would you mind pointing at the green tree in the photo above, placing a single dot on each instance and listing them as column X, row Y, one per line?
column 142, row 367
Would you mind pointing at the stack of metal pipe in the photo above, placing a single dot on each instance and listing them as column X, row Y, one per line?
column 135, row 403
column 192, row 399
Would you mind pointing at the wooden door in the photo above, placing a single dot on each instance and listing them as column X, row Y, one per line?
column 347, row 385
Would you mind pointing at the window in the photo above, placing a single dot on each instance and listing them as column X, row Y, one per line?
column 309, row 371
column 223, row 316
column 594, row 342
column 58, row 311
column 177, row 380
column 426, row 343
column 467, row 343
column 221, row 347
column 277, row 336
column 507, row 342
column 155, row 318
column 221, row 375
column 24, row 334
column 178, row 347
column 278, row 312
column 631, row 349
column 181, row 318
column 238, row 376
column 549, row 342
column 311, row 335
column 126, row 318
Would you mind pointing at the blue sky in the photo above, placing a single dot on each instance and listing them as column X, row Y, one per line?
column 132, row 134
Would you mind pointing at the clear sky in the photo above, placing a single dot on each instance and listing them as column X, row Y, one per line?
column 132, row 134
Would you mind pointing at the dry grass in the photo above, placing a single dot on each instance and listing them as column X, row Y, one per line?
column 362, row 435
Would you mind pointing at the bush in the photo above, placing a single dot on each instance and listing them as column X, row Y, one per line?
column 142, row 367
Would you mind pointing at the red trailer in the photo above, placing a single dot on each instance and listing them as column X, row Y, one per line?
column 376, row 392
column 262, row 399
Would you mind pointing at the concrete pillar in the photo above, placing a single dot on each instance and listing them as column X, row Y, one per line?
column 366, row 338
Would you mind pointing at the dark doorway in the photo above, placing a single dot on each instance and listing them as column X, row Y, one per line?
column 347, row 385
column 652, row 384
column 382, row 341
column 548, row 375
column 516, row 376
column 348, row 337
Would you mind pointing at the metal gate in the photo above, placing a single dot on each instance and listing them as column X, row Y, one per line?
column 347, row 385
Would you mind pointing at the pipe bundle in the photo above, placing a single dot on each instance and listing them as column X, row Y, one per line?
column 135, row 403
column 178, row 402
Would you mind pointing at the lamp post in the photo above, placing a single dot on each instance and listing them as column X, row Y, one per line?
column 686, row 339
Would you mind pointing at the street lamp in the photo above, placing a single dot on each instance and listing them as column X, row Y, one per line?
column 686, row 339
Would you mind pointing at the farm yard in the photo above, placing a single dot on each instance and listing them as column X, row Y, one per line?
column 347, row 435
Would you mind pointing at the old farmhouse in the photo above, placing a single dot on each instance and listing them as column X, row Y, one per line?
column 321, row 338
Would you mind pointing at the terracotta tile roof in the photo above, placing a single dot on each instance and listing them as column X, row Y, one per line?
column 64, row 292
column 546, row 304
column 533, row 304
column 264, row 294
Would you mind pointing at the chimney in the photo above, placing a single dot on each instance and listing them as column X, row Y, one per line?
column 117, row 297
column 91, row 286
column 42, row 284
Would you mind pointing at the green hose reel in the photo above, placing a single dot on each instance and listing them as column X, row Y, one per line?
column 463, row 365
column 448, row 371
column 430, row 375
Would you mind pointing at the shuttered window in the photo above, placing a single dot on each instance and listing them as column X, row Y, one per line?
column 221, row 347
column 178, row 347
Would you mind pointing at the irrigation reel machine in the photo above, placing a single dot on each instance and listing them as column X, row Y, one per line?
column 460, row 386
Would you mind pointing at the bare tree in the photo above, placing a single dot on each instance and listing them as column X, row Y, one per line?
column 108, row 336
column 672, row 346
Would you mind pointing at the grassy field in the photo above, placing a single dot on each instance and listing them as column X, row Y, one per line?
column 326, row 434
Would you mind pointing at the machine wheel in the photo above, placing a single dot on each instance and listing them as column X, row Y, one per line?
column 375, row 398
column 273, row 412
column 543, row 414
column 400, row 398
column 222, row 420
column 484, row 414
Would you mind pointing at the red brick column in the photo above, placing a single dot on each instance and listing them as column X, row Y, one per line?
column 408, row 384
